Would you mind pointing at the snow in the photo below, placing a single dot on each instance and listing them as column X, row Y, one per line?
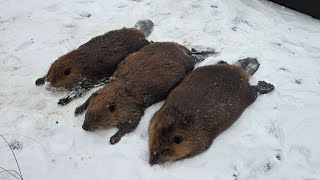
column 275, row 138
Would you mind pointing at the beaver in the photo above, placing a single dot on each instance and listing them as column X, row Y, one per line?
column 207, row 102
column 142, row 79
column 95, row 61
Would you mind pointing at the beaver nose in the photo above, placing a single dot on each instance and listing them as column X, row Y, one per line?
column 85, row 127
column 153, row 159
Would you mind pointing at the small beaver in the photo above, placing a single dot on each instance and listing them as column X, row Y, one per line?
column 207, row 102
column 142, row 79
column 95, row 61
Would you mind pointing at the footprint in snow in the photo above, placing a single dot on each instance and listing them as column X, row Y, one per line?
column 238, row 21
column 236, row 174
column 214, row 6
column 85, row 15
column 10, row 63
column 70, row 26
column 273, row 130
column 25, row 45
column 284, row 69
column 16, row 145
column 298, row 81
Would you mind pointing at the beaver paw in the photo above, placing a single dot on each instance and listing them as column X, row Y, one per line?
column 40, row 81
column 114, row 139
column 250, row 65
column 145, row 25
column 264, row 87
column 79, row 110
column 64, row 101
column 222, row 62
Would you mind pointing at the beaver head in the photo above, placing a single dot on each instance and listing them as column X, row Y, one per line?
column 173, row 136
column 65, row 74
column 112, row 105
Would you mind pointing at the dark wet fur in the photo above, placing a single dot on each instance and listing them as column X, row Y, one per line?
column 95, row 60
column 207, row 102
column 142, row 79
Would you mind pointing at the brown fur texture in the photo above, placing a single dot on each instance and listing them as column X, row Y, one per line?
column 207, row 102
column 95, row 60
column 143, row 78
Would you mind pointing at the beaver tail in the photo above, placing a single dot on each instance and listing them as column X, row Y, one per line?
column 145, row 25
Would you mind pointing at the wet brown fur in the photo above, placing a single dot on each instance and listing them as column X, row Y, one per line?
column 143, row 78
column 95, row 60
column 207, row 102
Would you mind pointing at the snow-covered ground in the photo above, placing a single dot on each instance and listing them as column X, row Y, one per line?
column 275, row 138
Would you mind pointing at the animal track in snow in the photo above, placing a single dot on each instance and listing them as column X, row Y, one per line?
column 15, row 145
column 25, row 45
column 273, row 130
column 284, row 69
column 85, row 15
column 71, row 27
column 10, row 63
column 238, row 21
column 298, row 81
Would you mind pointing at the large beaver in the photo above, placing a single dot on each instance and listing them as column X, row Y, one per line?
column 207, row 102
column 143, row 78
column 95, row 61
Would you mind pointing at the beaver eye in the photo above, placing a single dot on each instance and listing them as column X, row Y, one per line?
column 112, row 107
column 177, row 139
column 67, row 71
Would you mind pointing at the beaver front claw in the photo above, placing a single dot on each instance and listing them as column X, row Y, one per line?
column 79, row 110
column 115, row 139
column 64, row 101
column 40, row 81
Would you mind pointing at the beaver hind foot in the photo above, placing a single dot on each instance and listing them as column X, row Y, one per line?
column 40, row 81
column 264, row 87
column 250, row 65
column 145, row 25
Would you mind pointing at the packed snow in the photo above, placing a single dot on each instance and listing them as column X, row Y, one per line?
column 275, row 138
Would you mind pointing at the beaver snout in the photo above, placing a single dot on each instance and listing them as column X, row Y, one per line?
column 154, row 157
column 85, row 127
column 91, row 120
